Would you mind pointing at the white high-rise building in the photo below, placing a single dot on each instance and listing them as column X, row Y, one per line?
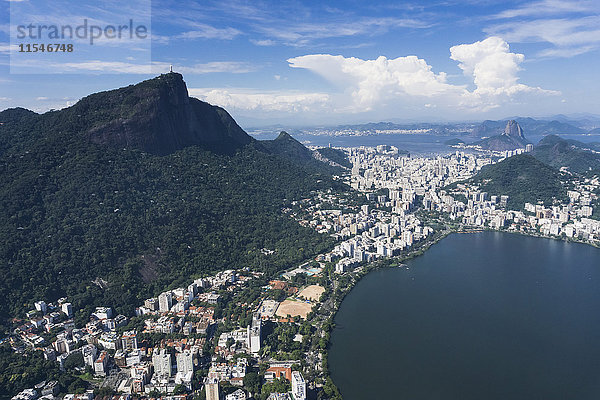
column 129, row 340
column 185, row 362
column 254, row 331
column 185, row 368
column 67, row 308
column 101, row 363
column 212, row 389
column 298, row 386
column 161, row 360
column 41, row 306
column 165, row 302
column 407, row 237
column 89, row 352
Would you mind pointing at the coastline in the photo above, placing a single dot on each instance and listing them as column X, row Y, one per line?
column 392, row 262
column 355, row 277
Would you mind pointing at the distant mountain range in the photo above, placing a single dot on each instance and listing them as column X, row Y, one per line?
column 473, row 130
column 529, row 125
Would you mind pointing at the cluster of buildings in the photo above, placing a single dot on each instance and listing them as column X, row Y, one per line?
column 425, row 178
column 375, row 234
column 104, row 346
column 45, row 318
column 396, row 185
column 383, row 224
column 365, row 233
column 133, row 367
column 405, row 177
column 375, row 168
column 571, row 220
column 277, row 370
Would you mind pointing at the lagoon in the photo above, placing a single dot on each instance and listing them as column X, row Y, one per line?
column 479, row 316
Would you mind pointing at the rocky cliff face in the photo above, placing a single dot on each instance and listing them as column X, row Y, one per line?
column 512, row 138
column 157, row 116
column 514, row 130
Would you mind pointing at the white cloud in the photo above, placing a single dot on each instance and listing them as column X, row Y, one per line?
column 91, row 66
column 559, row 32
column 206, row 31
column 548, row 7
column 263, row 42
column 233, row 67
column 370, row 81
column 572, row 27
column 492, row 67
column 7, row 48
column 99, row 66
column 373, row 83
column 565, row 52
column 302, row 34
column 248, row 100
column 105, row 67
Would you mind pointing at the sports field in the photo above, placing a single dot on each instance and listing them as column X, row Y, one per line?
column 312, row 292
column 295, row 308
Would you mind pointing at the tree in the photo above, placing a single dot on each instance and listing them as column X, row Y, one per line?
column 78, row 386
column 74, row 360
column 331, row 391
column 252, row 382
column 230, row 342
column 280, row 385
column 180, row 389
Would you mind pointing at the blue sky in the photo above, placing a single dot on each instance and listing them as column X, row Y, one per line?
column 303, row 63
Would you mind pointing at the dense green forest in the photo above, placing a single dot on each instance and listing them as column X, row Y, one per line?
column 70, row 217
column 558, row 152
column 524, row 179
column 335, row 155
column 289, row 148
column 73, row 211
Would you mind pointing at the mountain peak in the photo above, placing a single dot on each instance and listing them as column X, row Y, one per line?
column 283, row 135
column 511, row 138
column 156, row 116
column 513, row 129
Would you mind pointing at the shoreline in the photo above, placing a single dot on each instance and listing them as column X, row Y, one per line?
column 355, row 277
column 393, row 262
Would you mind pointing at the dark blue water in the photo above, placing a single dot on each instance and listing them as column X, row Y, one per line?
column 415, row 144
column 421, row 144
column 482, row 316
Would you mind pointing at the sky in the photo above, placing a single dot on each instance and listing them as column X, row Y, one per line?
column 323, row 63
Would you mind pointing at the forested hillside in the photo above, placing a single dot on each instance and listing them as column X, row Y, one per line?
column 524, row 179
column 74, row 209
